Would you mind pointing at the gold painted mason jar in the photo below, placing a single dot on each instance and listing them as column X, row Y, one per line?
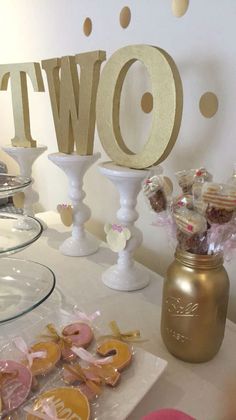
column 194, row 306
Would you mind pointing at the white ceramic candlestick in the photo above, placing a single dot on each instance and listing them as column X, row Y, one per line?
column 126, row 274
column 81, row 243
column 25, row 157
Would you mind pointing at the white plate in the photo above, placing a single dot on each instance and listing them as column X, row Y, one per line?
column 114, row 403
column 118, row 403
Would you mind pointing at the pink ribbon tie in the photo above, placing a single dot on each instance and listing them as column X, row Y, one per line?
column 88, row 357
column 49, row 411
column 22, row 346
column 82, row 316
column 117, row 228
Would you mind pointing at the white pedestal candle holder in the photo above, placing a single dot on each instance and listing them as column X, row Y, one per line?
column 80, row 243
column 25, row 157
column 126, row 275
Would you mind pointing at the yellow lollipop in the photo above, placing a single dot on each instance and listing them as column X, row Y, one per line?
column 70, row 403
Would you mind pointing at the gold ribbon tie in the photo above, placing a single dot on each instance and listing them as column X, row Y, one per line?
column 132, row 336
column 80, row 374
column 59, row 339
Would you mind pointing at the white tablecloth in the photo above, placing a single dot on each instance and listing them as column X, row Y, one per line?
column 198, row 389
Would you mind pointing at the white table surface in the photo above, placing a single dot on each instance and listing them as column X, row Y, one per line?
column 198, row 389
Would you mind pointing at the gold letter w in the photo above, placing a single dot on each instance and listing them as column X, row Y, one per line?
column 73, row 99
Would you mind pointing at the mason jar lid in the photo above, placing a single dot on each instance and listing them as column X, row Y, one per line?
column 199, row 261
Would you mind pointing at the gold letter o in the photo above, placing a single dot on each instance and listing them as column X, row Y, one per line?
column 167, row 105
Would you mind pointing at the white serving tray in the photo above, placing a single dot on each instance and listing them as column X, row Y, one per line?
column 114, row 403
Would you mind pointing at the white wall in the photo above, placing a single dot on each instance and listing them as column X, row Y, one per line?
column 203, row 46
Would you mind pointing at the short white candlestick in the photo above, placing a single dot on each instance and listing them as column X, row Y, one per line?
column 81, row 243
column 126, row 275
column 25, row 157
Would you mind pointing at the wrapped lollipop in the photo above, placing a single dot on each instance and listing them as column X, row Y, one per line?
column 220, row 202
column 182, row 201
column 189, row 221
column 187, row 178
column 202, row 175
column 191, row 231
column 158, row 190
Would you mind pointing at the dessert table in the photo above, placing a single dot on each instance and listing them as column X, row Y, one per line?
column 197, row 389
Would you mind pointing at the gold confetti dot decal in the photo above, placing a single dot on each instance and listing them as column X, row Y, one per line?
column 87, row 28
column 147, row 102
column 125, row 17
column 208, row 104
column 179, row 7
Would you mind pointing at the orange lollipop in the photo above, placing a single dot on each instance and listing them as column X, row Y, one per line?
column 41, row 366
column 40, row 357
column 120, row 352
